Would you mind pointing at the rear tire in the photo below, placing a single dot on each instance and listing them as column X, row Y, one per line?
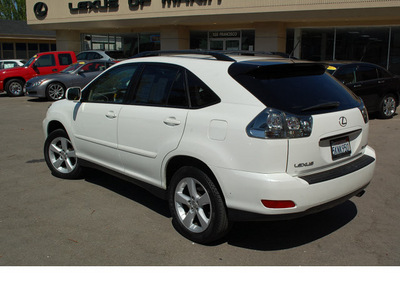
column 15, row 87
column 387, row 107
column 197, row 207
column 60, row 156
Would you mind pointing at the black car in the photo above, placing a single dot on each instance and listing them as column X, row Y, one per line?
column 377, row 87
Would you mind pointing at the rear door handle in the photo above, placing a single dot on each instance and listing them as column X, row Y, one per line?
column 55, row 70
column 381, row 81
column 172, row 121
column 111, row 115
column 357, row 85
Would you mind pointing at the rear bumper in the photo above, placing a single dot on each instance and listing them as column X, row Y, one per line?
column 243, row 191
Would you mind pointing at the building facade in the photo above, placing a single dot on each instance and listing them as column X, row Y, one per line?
column 366, row 30
column 18, row 40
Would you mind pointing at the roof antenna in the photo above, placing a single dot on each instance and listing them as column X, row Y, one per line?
column 295, row 47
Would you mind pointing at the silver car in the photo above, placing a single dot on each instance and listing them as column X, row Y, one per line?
column 11, row 63
column 53, row 86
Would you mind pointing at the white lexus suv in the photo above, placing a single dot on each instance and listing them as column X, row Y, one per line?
column 222, row 137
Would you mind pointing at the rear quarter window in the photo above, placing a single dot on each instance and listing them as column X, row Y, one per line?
column 65, row 59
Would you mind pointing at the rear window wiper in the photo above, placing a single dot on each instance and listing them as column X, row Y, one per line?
column 322, row 106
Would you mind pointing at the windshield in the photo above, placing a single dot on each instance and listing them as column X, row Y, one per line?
column 28, row 63
column 295, row 88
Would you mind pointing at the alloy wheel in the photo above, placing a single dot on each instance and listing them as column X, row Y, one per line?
column 62, row 155
column 389, row 106
column 193, row 205
column 56, row 91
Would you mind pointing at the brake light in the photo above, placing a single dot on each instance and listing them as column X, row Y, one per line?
column 364, row 112
column 278, row 203
column 275, row 124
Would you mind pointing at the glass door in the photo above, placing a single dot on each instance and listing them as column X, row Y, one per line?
column 224, row 44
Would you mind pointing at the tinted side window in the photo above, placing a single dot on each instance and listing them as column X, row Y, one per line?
column 200, row 94
column 81, row 56
column 46, row 61
column 177, row 96
column 346, row 75
column 65, row 59
column 366, row 73
column 155, row 84
column 111, row 86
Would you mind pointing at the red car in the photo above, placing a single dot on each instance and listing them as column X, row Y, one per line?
column 13, row 80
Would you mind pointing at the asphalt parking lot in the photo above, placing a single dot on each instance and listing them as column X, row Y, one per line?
column 102, row 221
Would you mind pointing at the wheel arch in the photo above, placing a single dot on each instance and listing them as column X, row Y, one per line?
column 12, row 78
column 177, row 162
column 54, row 125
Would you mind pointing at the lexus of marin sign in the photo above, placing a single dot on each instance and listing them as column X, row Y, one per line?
column 40, row 9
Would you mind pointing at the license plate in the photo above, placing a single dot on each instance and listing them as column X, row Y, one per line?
column 340, row 148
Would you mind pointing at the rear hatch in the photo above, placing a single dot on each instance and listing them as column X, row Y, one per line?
column 324, row 123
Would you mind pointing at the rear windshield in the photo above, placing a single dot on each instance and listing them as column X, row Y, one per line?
column 301, row 88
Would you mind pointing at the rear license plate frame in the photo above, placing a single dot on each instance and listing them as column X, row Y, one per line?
column 340, row 147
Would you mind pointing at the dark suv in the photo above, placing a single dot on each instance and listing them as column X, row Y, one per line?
column 378, row 88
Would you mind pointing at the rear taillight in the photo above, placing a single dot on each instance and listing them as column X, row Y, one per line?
column 364, row 112
column 275, row 124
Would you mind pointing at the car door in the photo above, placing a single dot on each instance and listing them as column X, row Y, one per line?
column 96, row 117
column 152, row 123
column 45, row 64
column 367, row 86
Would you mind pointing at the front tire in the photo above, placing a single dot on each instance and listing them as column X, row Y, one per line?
column 15, row 87
column 55, row 91
column 387, row 107
column 197, row 207
column 60, row 156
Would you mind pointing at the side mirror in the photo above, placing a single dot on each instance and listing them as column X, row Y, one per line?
column 74, row 94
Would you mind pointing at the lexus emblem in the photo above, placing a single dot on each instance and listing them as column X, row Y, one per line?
column 343, row 121
column 40, row 9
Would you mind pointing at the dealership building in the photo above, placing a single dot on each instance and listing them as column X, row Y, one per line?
column 362, row 30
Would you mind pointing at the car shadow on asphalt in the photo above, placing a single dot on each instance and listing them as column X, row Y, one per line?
column 128, row 190
column 279, row 235
column 264, row 236
column 39, row 100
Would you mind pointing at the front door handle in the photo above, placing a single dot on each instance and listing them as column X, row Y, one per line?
column 172, row 121
column 111, row 115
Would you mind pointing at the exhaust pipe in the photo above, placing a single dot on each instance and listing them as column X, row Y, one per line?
column 360, row 193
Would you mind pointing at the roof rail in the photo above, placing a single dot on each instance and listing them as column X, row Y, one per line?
column 216, row 55
column 246, row 52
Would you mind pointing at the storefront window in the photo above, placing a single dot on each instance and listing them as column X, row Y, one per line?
column 352, row 43
column 223, row 40
column 362, row 44
column 32, row 49
column 199, row 40
column 317, row 44
column 394, row 57
column 43, row 47
column 123, row 45
column 20, row 50
column 8, row 50
column 248, row 40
